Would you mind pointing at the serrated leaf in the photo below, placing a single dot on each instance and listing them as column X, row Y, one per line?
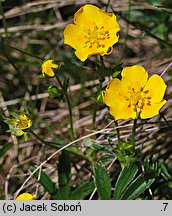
column 47, row 183
column 138, row 186
column 125, row 177
column 82, row 191
column 102, row 181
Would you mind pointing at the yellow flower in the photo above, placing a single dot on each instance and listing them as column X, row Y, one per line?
column 26, row 196
column 20, row 122
column 93, row 32
column 47, row 68
column 135, row 94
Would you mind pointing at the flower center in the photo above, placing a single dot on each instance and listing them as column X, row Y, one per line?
column 23, row 123
column 145, row 99
column 96, row 37
column 133, row 97
column 138, row 98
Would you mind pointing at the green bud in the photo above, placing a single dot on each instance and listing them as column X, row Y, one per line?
column 100, row 98
column 53, row 91
column 115, row 74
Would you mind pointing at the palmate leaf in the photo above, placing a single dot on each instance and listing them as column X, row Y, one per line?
column 102, row 181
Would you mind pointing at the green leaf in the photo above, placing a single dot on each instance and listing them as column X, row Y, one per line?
column 106, row 159
column 14, row 114
column 125, row 177
column 10, row 121
column 64, row 172
column 103, row 149
column 82, row 191
column 46, row 182
column 78, row 152
column 138, row 186
column 53, row 91
column 164, row 172
column 102, row 181
column 5, row 148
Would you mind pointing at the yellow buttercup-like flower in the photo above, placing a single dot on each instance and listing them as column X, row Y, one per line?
column 135, row 94
column 47, row 67
column 26, row 196
column 93, row 32
column 19, row 123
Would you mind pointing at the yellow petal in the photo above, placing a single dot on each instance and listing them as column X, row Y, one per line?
column 155, row 88
column 94, row 32
column 26, row 196
column 47, row 67
column 112, row 92
column 115, row 95
column 74, row 36
column 89, row 15
column 121, row 110
column 152, row 110
column 134, row 77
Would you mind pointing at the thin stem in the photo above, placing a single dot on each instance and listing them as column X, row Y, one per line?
column 40, row 170
column 165, row 120
column 69, row 108
column 126, row 34
column 118, row 132
column 26, row 53
column 107, row 5
column 100, row 87
column 4, row 23
column 8, row 57
column 37, row 137
column 42, row 158
column 102, row 62
column 134, row 132
column 96, row 107
column 142, row 29
column 94, row 116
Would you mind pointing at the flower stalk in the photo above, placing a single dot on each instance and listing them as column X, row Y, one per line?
column 133, row 132
column 101, row 77
column 69, row 107
column 37, row 137
column 118, row 133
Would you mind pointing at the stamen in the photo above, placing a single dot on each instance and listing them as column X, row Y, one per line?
column 146, row 91
column 96, row 37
